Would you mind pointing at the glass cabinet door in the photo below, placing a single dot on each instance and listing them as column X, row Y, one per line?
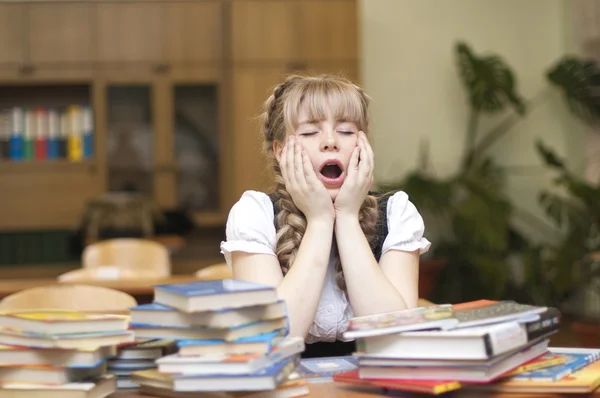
column 130, row 139
column 195, row 146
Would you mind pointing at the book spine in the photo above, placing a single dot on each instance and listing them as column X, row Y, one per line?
column 547, row 324
column 504, row 338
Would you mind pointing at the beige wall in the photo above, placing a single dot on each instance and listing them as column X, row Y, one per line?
column 408, row 69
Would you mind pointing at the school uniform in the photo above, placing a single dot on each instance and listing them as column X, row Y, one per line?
column 251, row 228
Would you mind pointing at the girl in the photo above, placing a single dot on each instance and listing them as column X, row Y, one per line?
column 332, row 249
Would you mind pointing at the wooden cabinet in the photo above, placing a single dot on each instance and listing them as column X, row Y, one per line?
column 294, row 31
column 193, row 32
column 129, row 32
column 175, row 87
column 12, row 34
column 61, row 33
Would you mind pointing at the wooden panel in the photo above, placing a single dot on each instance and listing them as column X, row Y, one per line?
column 263, row 30
column 329, row 29
column 46, row 199
column 61, row 33
column 294, row 30
column 253, row 86
column 193, row 32
column 12, row 49
column 129, row 32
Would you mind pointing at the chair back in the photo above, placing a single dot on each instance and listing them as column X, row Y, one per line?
column 70, row 297
column 103, row 273
column 131, row 253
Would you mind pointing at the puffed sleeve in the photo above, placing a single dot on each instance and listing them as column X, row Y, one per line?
column 250, row 226
column 405, row 226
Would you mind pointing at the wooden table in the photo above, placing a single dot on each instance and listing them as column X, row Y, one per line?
column 337, row 390
column 141, row 289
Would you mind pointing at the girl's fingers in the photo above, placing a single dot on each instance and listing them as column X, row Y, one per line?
column 309, row 173
column 290, row 166
column 366, row 160
column 354, row 162
column 299, row 167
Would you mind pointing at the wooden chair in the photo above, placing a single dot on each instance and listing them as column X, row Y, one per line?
column 71, row 297
column 109, row 272
column 143, row 255
column 215, row 271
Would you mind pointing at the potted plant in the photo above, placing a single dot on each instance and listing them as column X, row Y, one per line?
column 566, row 273
column 467, row 214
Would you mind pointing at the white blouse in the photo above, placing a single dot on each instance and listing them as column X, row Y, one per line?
column 250, row 228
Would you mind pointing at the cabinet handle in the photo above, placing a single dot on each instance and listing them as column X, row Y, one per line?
column 297, row 66
column 27, row 69
column 162, row 68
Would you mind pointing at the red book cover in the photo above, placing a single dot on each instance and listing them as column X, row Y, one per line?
column 434, row 387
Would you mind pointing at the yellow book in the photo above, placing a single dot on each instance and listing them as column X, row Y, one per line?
column 75, row 137
column 58, row 321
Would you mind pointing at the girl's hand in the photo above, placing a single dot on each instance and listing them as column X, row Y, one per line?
column 359, row 178
column 308, row 193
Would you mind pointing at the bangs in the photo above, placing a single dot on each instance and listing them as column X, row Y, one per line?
column 318, row 98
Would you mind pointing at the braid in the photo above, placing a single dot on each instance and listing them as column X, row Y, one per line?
column 367, row 217
column 290, row 224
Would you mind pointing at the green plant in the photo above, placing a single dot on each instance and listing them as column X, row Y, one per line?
column 558, row 272
column 468, row 210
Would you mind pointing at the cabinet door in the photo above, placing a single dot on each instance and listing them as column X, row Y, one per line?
column 12, row 49
column 251, row 86
column 61, row 33
column 263, row 30
column 328, row 29
column 193, row 32
column 130, row 136
column 129, row 32
column 294, row 30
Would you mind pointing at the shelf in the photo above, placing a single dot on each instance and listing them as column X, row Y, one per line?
column 46, row 166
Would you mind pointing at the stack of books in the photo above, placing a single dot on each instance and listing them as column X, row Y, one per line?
column 59, row 353
column 137, row 355
column 232, row 337
column 441, row 348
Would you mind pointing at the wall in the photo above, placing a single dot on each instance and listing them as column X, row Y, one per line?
column 408, row 68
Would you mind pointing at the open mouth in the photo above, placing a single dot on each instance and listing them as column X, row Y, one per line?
column 331, row 171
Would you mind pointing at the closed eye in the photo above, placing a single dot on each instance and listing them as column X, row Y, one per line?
column 346, row 132
column 309, row 133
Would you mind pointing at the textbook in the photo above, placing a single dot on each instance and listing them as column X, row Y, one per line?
column 73, row 341
column 214, row 295
column 420, row 318
column 434, row 387
column 574, row 359
column 256, row 344
column 93, row 388
column 201, row 332
column 229, row 364
column 57, row 321
column 83, row 357
column 265, row 379
column 156, row 313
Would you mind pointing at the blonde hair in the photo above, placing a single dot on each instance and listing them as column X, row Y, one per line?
column 318, row 94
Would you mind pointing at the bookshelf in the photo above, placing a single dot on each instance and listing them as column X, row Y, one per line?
column 172, row 87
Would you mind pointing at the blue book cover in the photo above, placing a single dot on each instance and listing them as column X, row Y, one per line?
column 268, row 338
column 209, row 288
column 161, row 307
column 575, row 359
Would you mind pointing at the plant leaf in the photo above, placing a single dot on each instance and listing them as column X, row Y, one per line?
column 579, row 82
column 490, row 82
